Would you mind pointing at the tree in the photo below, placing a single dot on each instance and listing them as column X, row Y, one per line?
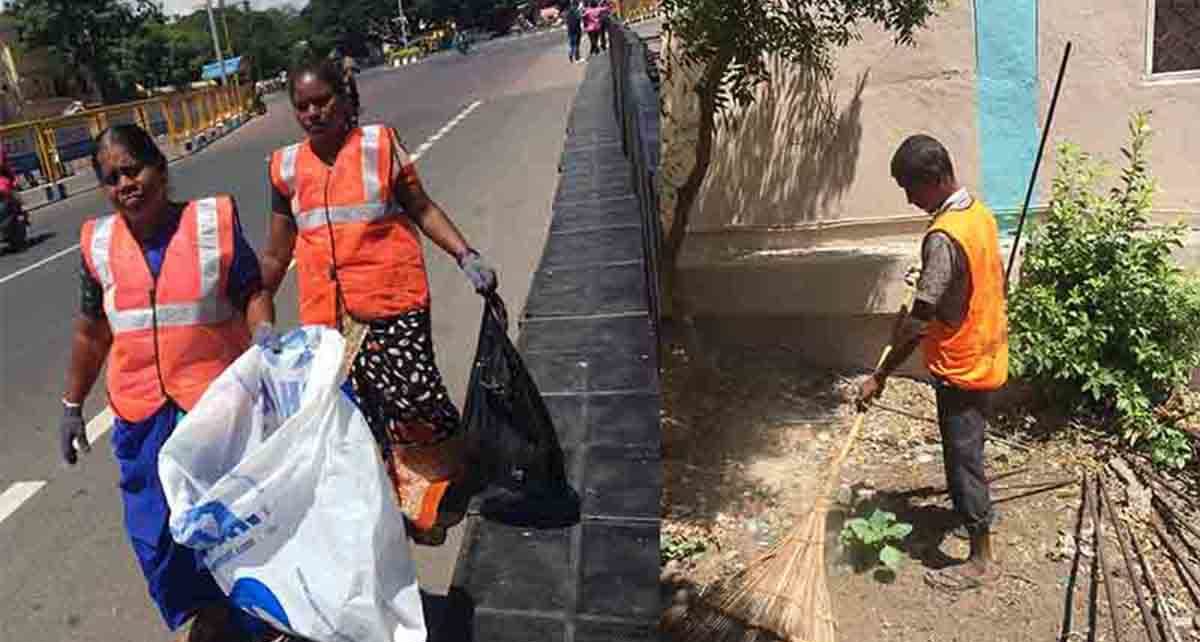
column 730, row 44
column 349, row 25
column 91, row 36
column 466, row 13
column 266, row 37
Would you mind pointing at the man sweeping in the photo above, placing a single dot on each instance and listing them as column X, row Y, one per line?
column 959, row 318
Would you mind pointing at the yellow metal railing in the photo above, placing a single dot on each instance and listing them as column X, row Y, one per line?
column 46, row 145
column 633, row 10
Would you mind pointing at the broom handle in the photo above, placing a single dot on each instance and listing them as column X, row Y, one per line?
column 836, row 468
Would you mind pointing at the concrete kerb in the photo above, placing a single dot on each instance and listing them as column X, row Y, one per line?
column 81, row 183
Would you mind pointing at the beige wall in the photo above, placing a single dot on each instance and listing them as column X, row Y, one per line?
column 1106, row 81
column 809, row 155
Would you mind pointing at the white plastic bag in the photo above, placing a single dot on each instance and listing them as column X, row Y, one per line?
column 275, row 477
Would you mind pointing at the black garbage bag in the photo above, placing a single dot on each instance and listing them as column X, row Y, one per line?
column 518, row 464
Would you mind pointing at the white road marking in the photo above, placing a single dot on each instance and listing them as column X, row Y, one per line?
column 39, row 264
column 446, row 129
column 17, row 494
column 21, row 492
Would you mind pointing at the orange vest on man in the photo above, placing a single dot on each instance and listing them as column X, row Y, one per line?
column 172, row 336
column 973, row 355
column 354, row 241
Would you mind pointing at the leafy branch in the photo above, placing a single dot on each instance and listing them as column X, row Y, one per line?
column 730, row 44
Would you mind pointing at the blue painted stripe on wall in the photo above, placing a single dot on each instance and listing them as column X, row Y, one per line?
column 1006, row 62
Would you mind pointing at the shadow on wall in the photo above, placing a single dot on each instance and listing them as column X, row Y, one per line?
column 787, row 158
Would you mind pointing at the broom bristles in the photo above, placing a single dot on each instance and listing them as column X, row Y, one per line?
column 780, row 596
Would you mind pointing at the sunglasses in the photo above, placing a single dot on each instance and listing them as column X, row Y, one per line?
column 129, row 171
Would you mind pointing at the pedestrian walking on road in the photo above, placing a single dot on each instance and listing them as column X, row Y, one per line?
column 170, row 292
column 959, row 317
column 574, row 19
column 593, row 18
column 348, row 205
column 605, row 21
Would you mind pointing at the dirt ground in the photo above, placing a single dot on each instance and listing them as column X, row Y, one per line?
column 747, row 441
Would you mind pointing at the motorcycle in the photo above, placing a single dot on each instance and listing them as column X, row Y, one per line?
column 14, row 225
column 463, row 44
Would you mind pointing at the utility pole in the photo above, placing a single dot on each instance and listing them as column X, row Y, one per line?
column 212, row 26
column 403, row 23
column 225, row 23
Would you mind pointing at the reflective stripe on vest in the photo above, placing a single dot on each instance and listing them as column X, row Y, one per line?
column 314, row 218
column 287, row 170
column 210, row 308
column 372, row 189
column 376, row 206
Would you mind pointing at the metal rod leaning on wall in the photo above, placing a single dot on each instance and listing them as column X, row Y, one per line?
column 1037, row 162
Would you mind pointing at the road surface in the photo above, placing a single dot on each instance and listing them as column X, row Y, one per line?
column 489, row 130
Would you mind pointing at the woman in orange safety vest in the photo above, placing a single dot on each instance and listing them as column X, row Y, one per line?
column 169, row 294
column 348, row 207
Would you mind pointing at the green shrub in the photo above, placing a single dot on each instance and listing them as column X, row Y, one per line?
column 1102, row 312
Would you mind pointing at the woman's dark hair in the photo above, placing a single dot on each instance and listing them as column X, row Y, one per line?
column 325, row 70
column 921, row 160
column 330, row 73
column 133, row 139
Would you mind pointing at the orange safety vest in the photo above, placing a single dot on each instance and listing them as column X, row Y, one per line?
column 974, row 355
column 351, row 232
column 172, row 335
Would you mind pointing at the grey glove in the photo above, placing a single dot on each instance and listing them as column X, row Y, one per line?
column 266, row 338
column 72, row 434
column 481, row 275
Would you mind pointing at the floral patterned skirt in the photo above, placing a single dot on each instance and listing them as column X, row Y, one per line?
column 401, row 393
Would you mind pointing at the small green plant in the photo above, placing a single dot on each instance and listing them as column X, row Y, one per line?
column 1103, row 315
column 871, row 540
column 679, row 547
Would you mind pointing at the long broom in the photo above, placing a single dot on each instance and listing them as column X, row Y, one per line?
column 782, row 594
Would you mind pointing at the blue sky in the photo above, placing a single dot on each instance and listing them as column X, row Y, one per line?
column 186, row 6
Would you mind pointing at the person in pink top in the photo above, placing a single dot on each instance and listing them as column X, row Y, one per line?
column 14, row 223
column 593, row 22
column 7, row 180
